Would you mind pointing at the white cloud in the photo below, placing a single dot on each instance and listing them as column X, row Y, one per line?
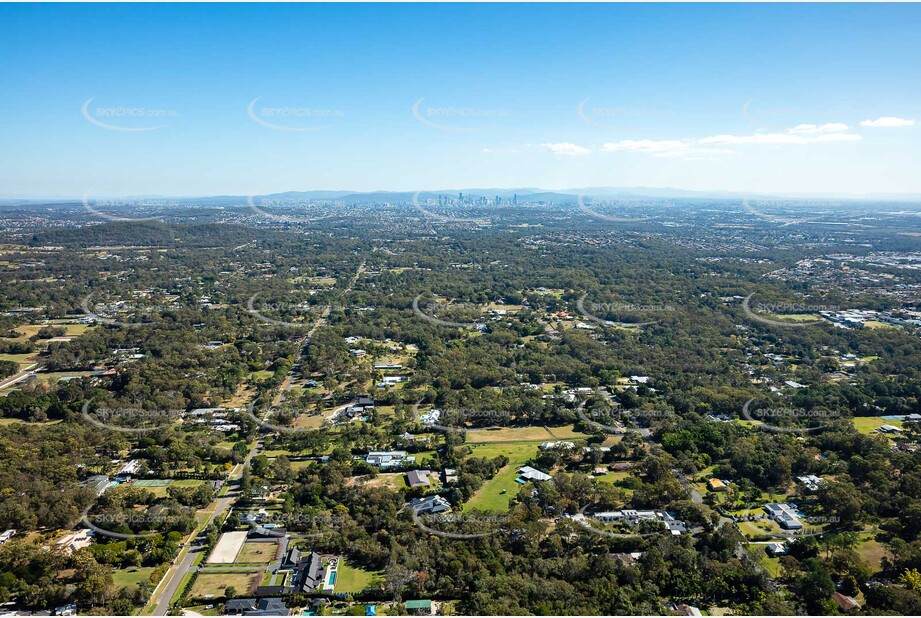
column 887, row 121
column 839, row 137
column 796, row 135
column 646, row 145
column 813, row 129
column 565, row 148
column 665, row 148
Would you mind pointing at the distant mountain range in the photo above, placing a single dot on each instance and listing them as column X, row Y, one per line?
column 530, row 194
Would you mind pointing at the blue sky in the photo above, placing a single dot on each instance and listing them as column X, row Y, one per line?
column 236, row 99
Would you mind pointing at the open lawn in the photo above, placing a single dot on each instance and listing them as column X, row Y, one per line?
column 305, row 421
column 24, row 360
column 213, row 585
column 872, row 551
column 159, row 486
column 869, row 424
column 490, row 497
column 393, row 480
column 354, row 580
column 257, row 553
column 770, row 564
column 612, row 477
column 131, row 577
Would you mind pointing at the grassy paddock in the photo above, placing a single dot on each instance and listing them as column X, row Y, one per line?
column 213, row 585
column 519, row 434
column 490, row 496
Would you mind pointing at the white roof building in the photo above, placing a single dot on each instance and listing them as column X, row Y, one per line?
column 533, row 474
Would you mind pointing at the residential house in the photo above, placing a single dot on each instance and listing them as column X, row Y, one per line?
column 430, row 504
column 785, row 515
column 533, row 474
column 845, row 602
column 256, row 607
column 417, row 478
column 309, row 573
column 810, row 482
column 777, row 549
column 419, row 607
column 97, row 483
column 388, row 459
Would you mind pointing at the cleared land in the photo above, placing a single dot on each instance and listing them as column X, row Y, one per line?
column 873, row 552
column 519, row 434
column 213, row 585
column 257, row 553
column 227, row 547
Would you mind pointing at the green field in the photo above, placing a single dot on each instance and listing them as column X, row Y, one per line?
column 873, row 552
column 158, row 487
column 129, row 578
column 869, row 424
column 21, row 359
column 354, row 580
column 490, row 496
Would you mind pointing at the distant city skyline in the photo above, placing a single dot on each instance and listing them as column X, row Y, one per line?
column 208, row 100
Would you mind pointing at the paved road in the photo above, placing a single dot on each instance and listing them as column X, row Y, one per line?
column 193, row 547
column 19, row 377
column 190, row 550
